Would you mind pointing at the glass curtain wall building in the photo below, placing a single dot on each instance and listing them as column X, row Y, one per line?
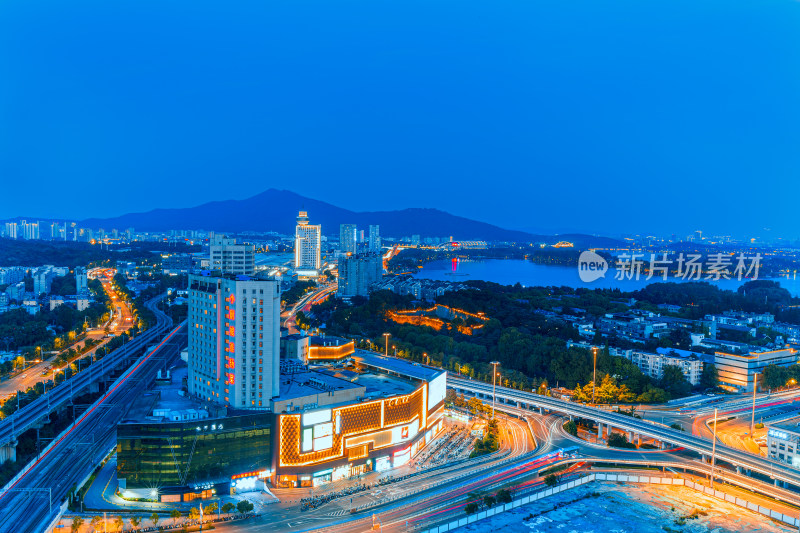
column 190, row 458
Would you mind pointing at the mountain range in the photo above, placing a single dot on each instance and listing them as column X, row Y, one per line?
column 276, row 210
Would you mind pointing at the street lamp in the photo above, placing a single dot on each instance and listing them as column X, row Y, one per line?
column 714, row 449
column 594, row 375
column 494, row 379
column 425, row 355
column 386, row 336
column 753, row 418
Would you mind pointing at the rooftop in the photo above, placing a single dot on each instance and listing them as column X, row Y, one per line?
column 163, row 395
column 707, row 358
column 396, row 366
column 327, row 340
column 311, row 382
column 792, row 425
column 381, row 385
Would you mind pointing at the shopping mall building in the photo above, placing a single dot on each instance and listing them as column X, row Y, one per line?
column 234, row 414
column 371, row 413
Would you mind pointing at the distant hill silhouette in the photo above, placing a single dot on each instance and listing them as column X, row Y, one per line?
column 276, row 210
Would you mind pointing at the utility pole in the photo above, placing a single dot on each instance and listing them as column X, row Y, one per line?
column 753, row 418
column 594, row 375
column 494, row 380
column 714, row 449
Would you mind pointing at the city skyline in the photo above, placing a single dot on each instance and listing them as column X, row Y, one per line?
column 26, row 226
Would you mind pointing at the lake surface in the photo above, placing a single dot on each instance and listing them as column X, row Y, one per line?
column 528, row 274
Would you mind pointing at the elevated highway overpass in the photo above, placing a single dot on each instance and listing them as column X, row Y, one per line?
column 39, row 410
column 743, row 461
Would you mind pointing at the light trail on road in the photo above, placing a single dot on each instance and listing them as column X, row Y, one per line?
column 79, row 449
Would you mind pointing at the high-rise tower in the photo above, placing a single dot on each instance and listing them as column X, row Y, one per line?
column 307, row 244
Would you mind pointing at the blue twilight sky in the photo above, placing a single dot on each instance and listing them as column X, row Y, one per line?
column 552, row 115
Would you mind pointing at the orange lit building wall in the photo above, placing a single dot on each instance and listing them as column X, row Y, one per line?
column 331, row 352
column 415, row 320
column 417, row 317
column 355, row 420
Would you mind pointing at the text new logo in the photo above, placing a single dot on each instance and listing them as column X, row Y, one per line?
column 591, row 266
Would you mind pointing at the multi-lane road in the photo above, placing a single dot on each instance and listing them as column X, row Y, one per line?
column 766, row 467
column 532, row 443
column 32, row 501
column 411, row 498
column 20, row 421
column 120, row 320
column 305, row 303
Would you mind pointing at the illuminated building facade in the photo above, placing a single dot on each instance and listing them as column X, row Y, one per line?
column 234, row 340
column 307, row 244
column 183, row 460
column 329, row 348
column 444, row 314
column 347, row 238
column 368, row 413
column 738, row 372
column 396, row 408
column 30, row 230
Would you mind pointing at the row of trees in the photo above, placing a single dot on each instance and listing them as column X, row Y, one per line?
column 533, row 356
column 531, row 346
column 32, row 333
column 775, row 377
column 23, row 398
column 118, row 522
column 672, row 384
column 476, row 502
column 298, row 290
column 608, row 391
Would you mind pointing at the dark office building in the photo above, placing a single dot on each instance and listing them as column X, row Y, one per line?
column 189, row 458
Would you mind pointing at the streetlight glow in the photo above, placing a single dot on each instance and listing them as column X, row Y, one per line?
column 594, row 375
column 386, row 336
column 714, row 449
column 494, row 379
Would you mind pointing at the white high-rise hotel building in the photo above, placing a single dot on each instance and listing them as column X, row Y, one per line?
column 307, row 244
column 234, row 339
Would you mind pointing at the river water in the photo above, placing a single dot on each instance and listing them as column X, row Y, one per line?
column 528, row 273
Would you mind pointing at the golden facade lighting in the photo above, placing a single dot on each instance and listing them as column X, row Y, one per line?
column 354, row 420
